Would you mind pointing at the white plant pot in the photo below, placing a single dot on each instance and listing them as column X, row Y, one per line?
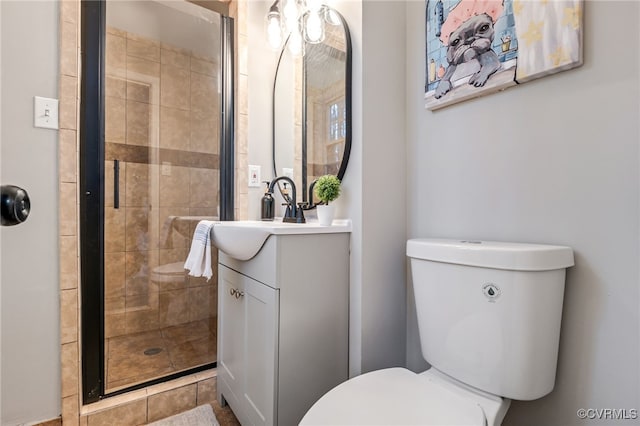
column 325, row 214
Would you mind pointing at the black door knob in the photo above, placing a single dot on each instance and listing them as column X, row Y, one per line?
column 15, row 205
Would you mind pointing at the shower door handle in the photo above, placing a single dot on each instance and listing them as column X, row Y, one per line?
column 116, row 184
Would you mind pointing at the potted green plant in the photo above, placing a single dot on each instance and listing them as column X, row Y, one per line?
column 327, row 189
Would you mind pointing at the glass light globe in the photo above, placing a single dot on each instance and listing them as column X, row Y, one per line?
column 314, row 28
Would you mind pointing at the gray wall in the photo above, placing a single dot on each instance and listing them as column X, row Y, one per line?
column 555, row 161
column 374, row 194
column 30, row 370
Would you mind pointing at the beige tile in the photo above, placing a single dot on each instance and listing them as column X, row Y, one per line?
column 68, row 316
column 205, row 132
column 243, row 91
column 194, row 352
column 114, row 229
column 199, row 299
column 70, row 411
column 138, row 68
column 109, row 182
column 138, row 91
column 204, row 97
column 242, row 171
column 242, row 16
column 173, row 384
column 142, row 47
column 116, row 31
column 116, row 55
column 137, row 186
column 174, row 188
column 175, row 128
column 138, row 123
column 84, row 420
column 207, row 391
column 172, row 402
column 168, row 256
column 115, row 87
column 68, row 262
column 203, row 65
column 68, row 49
column 114, row 304
column 176, row 57
column 115, row 125
column 173, row 307
column 243, row 207
column 204, row 187
column 68, row 209
column 114, row 264
column 174, row 90
column 243, row 68
column 130, row 414
column 138, row 228
column 242, row 132
column 67, row 158
column 114, row 324
column 67, row 107
column 141, row 320
column 174, row 233
column 69, row 10
column 138, row 268
column 54, row 422
column 69, row 360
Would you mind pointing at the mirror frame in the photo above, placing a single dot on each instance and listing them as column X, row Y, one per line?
column 348, row 115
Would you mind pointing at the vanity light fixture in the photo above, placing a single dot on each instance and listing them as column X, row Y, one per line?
column 300, row 21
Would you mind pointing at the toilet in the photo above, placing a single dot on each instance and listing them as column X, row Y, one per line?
column 489, row 322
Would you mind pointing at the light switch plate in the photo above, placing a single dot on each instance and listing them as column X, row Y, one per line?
column 254, row 176
column 45, row 112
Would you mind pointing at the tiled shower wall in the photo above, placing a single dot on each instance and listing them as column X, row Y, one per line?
column 162, row 124
column 171, row 397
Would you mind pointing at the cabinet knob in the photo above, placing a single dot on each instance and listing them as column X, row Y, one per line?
column 237, row 293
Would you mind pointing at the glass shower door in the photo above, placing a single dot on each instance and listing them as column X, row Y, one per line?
column 161, row 162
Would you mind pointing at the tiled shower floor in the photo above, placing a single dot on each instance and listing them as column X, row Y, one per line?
column 168, row 350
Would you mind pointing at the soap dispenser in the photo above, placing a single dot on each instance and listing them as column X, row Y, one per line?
column 267, row 204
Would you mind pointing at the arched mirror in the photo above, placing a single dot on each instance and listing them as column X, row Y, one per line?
column 312, row 108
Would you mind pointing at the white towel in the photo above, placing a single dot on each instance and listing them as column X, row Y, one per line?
column 199, row 260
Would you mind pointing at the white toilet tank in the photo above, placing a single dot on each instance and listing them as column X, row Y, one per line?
column 489, row 312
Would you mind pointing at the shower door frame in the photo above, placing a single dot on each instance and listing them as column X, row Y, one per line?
column 92, row 175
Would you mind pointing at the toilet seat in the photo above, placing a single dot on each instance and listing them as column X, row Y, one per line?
column 395, row 396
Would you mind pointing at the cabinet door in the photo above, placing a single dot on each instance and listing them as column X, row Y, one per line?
column 261, row 322
column 247, row 346
column 231, row 338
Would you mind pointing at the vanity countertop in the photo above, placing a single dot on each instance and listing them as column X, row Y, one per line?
column 280, row 228
column 243, row 239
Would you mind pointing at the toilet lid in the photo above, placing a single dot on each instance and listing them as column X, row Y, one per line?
column 394, row 396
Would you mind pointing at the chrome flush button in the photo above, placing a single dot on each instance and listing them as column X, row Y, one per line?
column 491, row 291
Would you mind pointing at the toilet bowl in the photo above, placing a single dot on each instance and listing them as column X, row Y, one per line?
column 169, row 273
column 397, row 396
column 489, row 322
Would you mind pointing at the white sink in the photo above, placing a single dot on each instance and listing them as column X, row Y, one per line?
column 243, row 239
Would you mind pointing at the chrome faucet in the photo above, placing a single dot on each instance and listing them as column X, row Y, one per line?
column 293, row 213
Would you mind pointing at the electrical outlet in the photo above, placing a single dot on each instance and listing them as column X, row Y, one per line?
column 254, row 176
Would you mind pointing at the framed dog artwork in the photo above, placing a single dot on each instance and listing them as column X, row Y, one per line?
column 477, row 47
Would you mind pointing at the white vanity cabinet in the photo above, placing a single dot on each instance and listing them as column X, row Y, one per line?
column 283, row 327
